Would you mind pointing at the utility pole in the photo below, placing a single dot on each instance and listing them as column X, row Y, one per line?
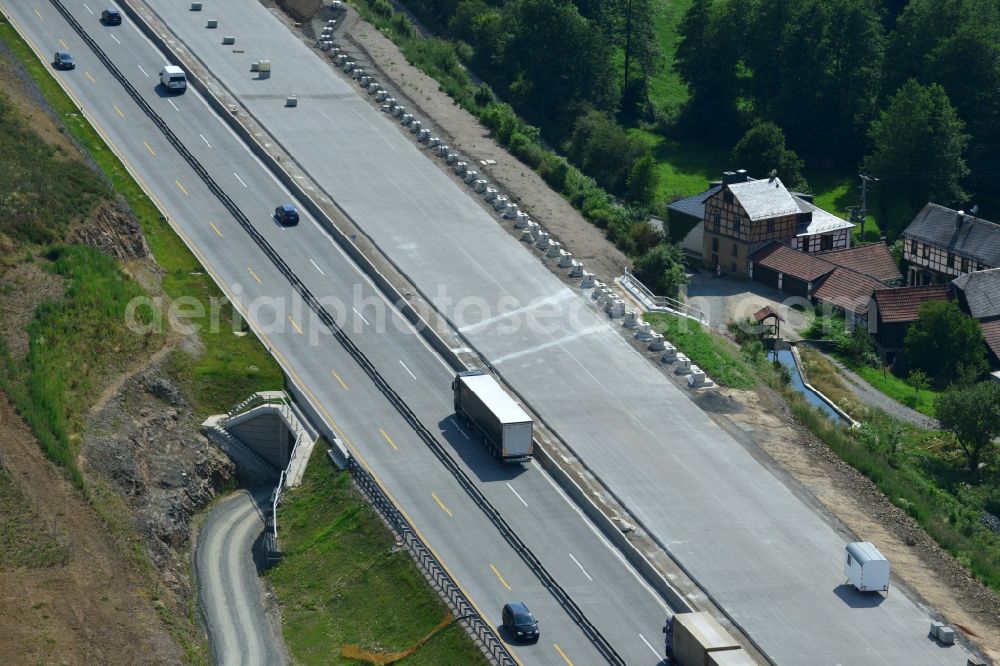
column 865, row 179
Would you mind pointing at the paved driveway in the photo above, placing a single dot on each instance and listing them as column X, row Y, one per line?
column 725, row 299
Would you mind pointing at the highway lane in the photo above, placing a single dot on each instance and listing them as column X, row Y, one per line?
column 239, row 265
column 726, row 518
column 228, row 585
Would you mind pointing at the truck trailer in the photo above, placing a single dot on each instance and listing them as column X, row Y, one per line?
column 484, row 406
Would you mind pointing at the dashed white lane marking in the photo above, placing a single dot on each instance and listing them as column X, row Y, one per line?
column 205, row 140
column 239, row 179
column 518, row 495
column 362, row 317
column 407, row 369
column 317, row 267
column 581, row 568
column 649, row 646
column 143, row 71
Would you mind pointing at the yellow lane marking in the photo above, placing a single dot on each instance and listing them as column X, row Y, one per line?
column 181, row 187
column 254, row 275
column 39, row 14
column 562, row 654
column 63, row 44
column 500, row 577
column 149, row 148
column 337, row 377
column 294, row 325
column 443, row 507
column 118, row 111
column 388, row 439
column 216, row 229
column 92, row 79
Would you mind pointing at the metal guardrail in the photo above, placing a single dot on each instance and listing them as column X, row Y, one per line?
column 426, row 560
column 547, row 580
column 654, row 302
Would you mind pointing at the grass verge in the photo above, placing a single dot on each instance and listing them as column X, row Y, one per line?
column 25, row 539
column 343, row 582
column 923, row 401
column 713, row 353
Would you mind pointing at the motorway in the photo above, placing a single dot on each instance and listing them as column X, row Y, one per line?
column 229, row 588
column 770, row 560
column 613, row 597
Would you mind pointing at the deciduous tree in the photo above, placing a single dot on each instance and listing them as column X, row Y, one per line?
column 945, row 343
column 972, row 413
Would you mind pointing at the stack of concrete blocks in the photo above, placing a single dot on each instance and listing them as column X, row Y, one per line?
column 415, row 127
column 341, row 59
column 565, row 259
column 543, row 240
column 380, row 95
column 555, row 247
column 424, row 135
column 696, row 377
column 433, row 142
column 460, row 168
column 391, row 101
column 617, row 308
column 451, row 158
column 631, row 320
column 406, row 119
column 228, row 39
column 669, row 353
column 443, row 149
column 512, row 211
column 357, row 73
column 500, row 203
column 373, row 87
column 521, row 221
column 490, row 193
column 656, row 342
column 576, row 270
column 683, row 364
column 643, row 331
column 196, row 6
column 364, row 80
column 588, row 280
column 348, row 65
column 479, row 186
column 470, row 176
column 942, row 633
column 291, row 100
column 212, row 23
column 527, row 236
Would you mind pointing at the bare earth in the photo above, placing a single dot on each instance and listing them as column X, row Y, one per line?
column 850, row 501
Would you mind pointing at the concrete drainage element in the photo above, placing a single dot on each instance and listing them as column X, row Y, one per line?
column 588, row 280
column 460, row 168
column 656, row 343
column 554, row 249
column 228, row 39
column 391, row 101
column 470, row 176
column 669, row 353
column 543, row 240
column 577, row 270
column 443, row 150
column 348, row 65
column 397, row 111
column 512, row 212
column 598, row 285
column 324, row 45
column 643, row 331
column 380, row 95
column 617, row 308
column 365, row 80
column 196, row 6
column 406, row 119
column 386, row 108
column 500, row 203
column 527, row 236
column 357, row 73
column 682, row 365
column 697, row 377
column 372, row 88
column 415, row 127
column 565, row 259
column 334, row 52
column 212, row 23
column 433, row 141
column 521, row 220
column 424, row 135
column 451, row 158
column 291, row 100
column 478, row 186
column 490, row 193
column 631, row 320
column 341, row 59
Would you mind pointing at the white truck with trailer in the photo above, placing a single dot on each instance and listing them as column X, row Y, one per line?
column 484, row 406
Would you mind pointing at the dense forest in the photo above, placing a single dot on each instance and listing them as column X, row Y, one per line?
column 906, row 91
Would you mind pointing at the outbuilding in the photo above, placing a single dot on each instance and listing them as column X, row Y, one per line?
column 866, row 568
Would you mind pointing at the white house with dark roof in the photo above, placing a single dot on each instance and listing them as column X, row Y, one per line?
column 745, row 214
column 940, row 244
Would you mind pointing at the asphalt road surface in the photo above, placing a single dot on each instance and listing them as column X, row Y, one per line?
column 491, row 573
column 228, row 586
column 770, row 560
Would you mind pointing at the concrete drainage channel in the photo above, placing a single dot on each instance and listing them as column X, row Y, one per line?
column 548, row 581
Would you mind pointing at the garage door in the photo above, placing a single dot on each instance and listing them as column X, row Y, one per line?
column 766, row 276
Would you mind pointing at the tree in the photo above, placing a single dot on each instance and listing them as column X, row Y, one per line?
column 972, row 413
column 662, row 269
column 762, row 148
column 642, row 181
column 604, row 151
column 945, row 343
column 918, row 142
column 919, row 380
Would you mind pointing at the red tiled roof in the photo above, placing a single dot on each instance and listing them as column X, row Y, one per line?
column 991, row 332
column 765, row 312
column 781, row 258
column 873, row 260
column 847, row 289
column 903, row 304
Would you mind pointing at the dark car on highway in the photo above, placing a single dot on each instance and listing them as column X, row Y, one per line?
column 111, row 17
column 519, row 622
column 286, row 215
column 63, row 60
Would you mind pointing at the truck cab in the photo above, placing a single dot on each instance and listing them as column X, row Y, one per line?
column 173, row 79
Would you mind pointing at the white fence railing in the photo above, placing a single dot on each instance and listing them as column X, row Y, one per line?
column 651, row 301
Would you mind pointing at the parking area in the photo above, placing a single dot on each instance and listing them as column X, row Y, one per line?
column 725, row 299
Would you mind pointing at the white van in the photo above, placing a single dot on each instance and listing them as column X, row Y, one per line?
column 173, row 78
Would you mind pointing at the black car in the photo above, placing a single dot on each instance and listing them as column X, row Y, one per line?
column 63, row 60
column 519, row 622
column 286, row 215
column 111, row 17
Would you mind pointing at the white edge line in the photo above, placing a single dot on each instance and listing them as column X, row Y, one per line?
column 650, row 646
column 239, row 179
column 173, row 105
column 317, row 267
column 407, row 369
column 361, row 316
column 142, row 70
column 205, row 140
column 116, row 39
column 88, row 8
column 518, row 495
column 581, row 568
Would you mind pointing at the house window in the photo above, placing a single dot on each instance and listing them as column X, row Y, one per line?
column 727, row 196
column 951, row 260
column 826, row 242
column 736, row 226
column 732, row 267
column 805, row 244
column 736, row 250
column 770, row 226
column 913, row 247
column 927, row 251
column 717, row 220
column 715, row 244
column 965, row 265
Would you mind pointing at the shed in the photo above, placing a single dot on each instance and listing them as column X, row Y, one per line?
column 866, row 568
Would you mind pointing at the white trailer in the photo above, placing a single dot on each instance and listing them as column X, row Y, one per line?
column 482, row 402
column 866, row 568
